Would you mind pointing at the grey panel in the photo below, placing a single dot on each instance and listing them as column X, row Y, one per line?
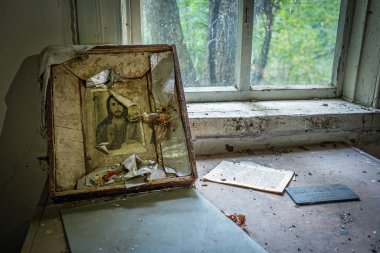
column 321, row 194
column 179, row 220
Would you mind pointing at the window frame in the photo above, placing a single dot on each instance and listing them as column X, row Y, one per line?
column 245, row 91
column 131, row 12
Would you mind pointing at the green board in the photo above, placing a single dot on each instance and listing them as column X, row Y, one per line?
column 179, row 220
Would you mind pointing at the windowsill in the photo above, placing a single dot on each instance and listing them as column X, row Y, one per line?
column 259, row 88
column 220, row 127
column 262, row 93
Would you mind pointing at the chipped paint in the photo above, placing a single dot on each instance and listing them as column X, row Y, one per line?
column 246, row 125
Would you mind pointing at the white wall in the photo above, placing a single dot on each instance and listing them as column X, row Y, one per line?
column 26, row 27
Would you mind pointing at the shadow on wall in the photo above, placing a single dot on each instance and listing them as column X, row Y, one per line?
column 22, row 175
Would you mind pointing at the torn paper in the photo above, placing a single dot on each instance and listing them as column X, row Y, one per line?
column 250, row 175
column 131, row 167
column 104, row 79
column 99, row 80
column 103, row 147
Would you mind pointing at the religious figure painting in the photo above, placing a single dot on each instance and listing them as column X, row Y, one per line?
column 118, row 127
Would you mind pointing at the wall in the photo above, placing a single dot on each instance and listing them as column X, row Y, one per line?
column 367, row 86
column 362, row 71
column 26, row 27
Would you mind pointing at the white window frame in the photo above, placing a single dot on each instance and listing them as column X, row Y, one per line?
column 130, row 17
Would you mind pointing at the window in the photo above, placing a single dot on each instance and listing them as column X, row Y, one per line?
column 205, row 33
column 294, row 41
column 244, row 49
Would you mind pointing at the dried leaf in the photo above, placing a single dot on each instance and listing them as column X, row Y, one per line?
column 239, row 219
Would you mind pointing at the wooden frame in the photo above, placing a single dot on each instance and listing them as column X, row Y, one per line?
column 71, row 131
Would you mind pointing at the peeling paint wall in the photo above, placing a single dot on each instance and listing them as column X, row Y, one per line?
column 237, row 126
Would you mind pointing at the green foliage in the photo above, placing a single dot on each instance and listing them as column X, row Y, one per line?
column 194, row 18
column 303, row 42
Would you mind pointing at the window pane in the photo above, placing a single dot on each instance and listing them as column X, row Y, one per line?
column 205, row 33
column 293, row 41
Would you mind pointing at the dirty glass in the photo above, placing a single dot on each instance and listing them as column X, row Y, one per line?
column 293, row 41
column 132, row 121
column 204, row 32
column 170, row 133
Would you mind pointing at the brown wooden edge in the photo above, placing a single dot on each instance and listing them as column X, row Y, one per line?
column 120, row 189
column 121, row 49
column 72, row 195
column 50, row 135
column 184, row 114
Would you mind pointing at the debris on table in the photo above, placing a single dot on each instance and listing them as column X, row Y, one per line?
column 345, row 218
column 239, row 219
column 251, row 175
column 132, row 167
